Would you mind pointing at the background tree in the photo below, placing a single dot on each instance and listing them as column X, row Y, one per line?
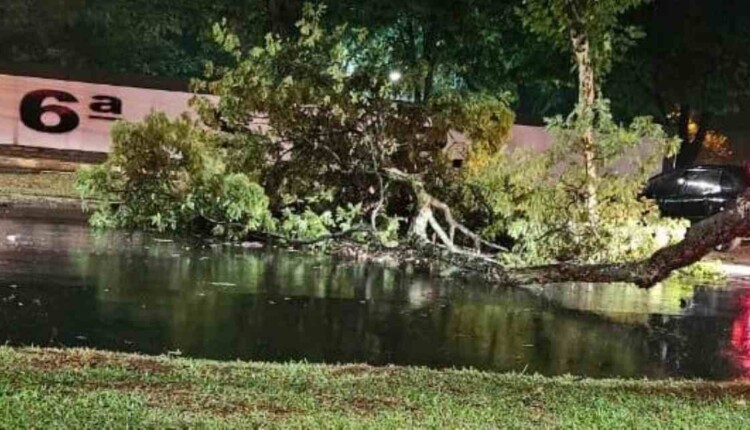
column 164, row 38
column 689, row 70
column 591, row 31
column 477, row 46
column 470, row 45
column 38, row 30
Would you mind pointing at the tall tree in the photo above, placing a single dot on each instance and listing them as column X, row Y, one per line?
column 590, row 29
column 173, row 38
column 282, row 15
column 166, row 38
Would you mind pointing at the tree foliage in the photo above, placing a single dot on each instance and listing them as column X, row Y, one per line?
column 689, row 70
column 538, row 199
column 164, row 38
column 314, row 120
column 693, row 53
column 472, row 45
column 588, row 28
column 37, row 30
column 170, row 176
column 599, row 20
column 332, row 119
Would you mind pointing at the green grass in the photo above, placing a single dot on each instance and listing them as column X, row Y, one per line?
column 38, row 184
column 51, row 389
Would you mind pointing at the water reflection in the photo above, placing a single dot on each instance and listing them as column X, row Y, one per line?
column 61, row 285
column 740, row 339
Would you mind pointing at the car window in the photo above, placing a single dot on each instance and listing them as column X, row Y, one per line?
column 732, row 182
column 701, row 182
column 664, row 185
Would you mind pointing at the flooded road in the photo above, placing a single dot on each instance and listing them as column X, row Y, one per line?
column 63, row 285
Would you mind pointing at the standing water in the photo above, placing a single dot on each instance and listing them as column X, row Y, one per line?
column 64, row 285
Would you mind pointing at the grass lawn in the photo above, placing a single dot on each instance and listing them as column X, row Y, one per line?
column 50, row 389
column 38, row 184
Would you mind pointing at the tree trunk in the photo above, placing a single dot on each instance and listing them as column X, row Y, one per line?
column 701, row 239
column 429, row 54
column 586, row 100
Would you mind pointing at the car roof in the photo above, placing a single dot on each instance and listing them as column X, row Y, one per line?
column 732, row 169
column 703, row 167
column 729, row 168
column 714, row 167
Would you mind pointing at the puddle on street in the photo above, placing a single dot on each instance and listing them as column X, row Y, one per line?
column 63, row 285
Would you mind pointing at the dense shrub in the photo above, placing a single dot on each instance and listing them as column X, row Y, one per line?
column 170, row 175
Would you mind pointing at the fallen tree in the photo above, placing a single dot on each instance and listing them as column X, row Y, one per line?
column 701, row 239
column 342, row 157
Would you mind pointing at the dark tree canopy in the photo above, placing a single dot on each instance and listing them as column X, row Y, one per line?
column 37, row 30
column 474, row 45
column 691, row 65
column 165, row 38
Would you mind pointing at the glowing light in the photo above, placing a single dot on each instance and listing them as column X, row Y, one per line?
column 692, row 127
column 394, row 76
column 717, row 145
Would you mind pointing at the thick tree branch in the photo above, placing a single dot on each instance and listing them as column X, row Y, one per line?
column 701, row 239
column 325, row 237
column 426, row 217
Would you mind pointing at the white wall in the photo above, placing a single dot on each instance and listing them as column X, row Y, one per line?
column 94, row 107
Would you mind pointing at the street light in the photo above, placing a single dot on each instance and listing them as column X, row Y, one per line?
column 394, row 76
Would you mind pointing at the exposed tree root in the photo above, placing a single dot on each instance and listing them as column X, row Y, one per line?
column 425, row 217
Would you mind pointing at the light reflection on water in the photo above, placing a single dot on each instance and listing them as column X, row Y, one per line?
column 63, row 285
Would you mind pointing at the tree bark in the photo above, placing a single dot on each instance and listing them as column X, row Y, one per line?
column 427, row 205
column 701, row 239
column 586, row 100
column 429, row 54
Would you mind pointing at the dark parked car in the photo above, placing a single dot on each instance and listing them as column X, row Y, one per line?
column 697, row 192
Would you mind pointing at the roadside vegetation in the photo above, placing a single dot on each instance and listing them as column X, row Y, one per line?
column 311, row 142
column 44, row 388
column 49, row 184
column 330, row 131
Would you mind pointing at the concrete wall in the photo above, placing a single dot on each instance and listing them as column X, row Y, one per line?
column 74, row 116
